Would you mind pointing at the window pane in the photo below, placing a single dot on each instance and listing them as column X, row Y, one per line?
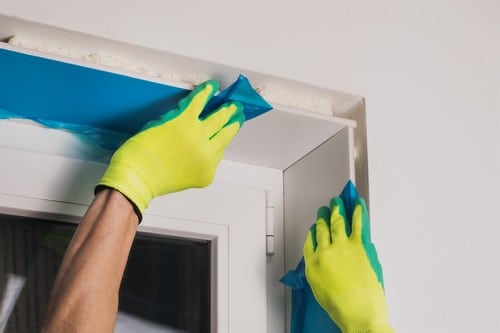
column 166, row 286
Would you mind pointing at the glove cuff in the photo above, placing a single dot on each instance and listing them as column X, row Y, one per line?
column 137, row 211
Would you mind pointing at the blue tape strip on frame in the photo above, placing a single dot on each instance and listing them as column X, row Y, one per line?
column 107, row 107
column 307, row 315
column 241, row 90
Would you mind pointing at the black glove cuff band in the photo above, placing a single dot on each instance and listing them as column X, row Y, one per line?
column 100, row 187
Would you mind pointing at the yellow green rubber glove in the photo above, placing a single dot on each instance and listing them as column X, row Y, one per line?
column 343, row 270
column 176, row 152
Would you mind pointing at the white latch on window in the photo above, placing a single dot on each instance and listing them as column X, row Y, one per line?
column 269, row 224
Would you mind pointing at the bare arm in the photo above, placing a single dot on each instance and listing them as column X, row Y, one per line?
column 173, row 153
column 85, row 294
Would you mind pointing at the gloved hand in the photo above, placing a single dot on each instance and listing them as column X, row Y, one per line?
column 176, row 152
column 343, row 270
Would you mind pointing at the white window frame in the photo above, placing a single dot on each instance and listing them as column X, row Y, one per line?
column 231, row 215
column 289, row 162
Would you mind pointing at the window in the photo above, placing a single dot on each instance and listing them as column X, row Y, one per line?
column 252, row 220
column 231, row 215
column 166, row 285
column 228, row 217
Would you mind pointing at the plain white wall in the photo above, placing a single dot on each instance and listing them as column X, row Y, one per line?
column 430, row 72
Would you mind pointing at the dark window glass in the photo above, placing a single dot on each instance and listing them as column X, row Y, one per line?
column 166, row 286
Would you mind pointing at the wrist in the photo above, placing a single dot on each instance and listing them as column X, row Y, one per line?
column 130, row 182
column 115, row 192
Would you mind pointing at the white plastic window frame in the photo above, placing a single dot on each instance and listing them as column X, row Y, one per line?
column 231, row 213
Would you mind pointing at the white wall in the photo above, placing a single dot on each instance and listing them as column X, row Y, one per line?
column 430, row 72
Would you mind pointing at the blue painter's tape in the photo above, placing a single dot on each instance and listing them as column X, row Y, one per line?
column 241, row 90
column 4, row 114
column 107, row 107
column 307, row 315
column 40, row 88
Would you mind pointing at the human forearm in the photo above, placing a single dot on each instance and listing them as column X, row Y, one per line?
column 175, row 152
column 85, row 294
